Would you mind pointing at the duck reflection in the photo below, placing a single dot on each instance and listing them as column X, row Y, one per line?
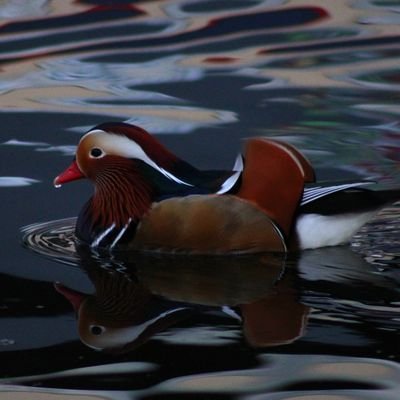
column 134, row 298
column 121, row 314
column 269, row 295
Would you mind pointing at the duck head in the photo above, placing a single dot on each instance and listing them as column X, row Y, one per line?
column 121, row 315
column 118, row 146
column 130, row 170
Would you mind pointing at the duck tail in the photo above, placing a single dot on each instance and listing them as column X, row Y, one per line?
column 273, row 178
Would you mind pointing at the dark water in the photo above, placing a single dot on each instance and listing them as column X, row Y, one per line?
column 203, row 76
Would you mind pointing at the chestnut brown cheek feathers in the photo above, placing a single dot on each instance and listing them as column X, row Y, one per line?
column 120, row 194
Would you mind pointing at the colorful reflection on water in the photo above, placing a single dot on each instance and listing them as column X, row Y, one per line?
column 202, row 75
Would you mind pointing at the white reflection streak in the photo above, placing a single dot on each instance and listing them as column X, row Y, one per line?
column 16, row 142
column 15, row 181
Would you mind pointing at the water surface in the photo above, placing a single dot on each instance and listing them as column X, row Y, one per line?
column 202, row 76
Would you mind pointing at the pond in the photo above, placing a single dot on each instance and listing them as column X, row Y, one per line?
column 202, row 76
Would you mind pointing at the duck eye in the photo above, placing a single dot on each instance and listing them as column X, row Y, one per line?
column 96, row 152
column 96, row 330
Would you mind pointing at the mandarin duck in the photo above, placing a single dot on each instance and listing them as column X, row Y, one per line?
column 146, row 198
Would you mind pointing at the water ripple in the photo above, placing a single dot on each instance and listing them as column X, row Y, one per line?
column 55, row 240
column 324, row 78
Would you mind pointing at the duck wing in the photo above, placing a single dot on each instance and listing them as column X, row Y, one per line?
column 345, row 197
column 207, row 224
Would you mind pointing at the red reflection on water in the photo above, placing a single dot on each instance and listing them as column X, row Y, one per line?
column 91, row 15
column 389, row 145
column 216, row 29
column 220, row 60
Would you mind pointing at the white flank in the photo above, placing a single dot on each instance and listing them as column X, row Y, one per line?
column 315, row 230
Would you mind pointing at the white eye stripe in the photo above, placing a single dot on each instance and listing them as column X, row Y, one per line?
column 125, row 147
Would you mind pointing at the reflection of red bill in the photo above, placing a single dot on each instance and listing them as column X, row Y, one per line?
column 74, row 297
